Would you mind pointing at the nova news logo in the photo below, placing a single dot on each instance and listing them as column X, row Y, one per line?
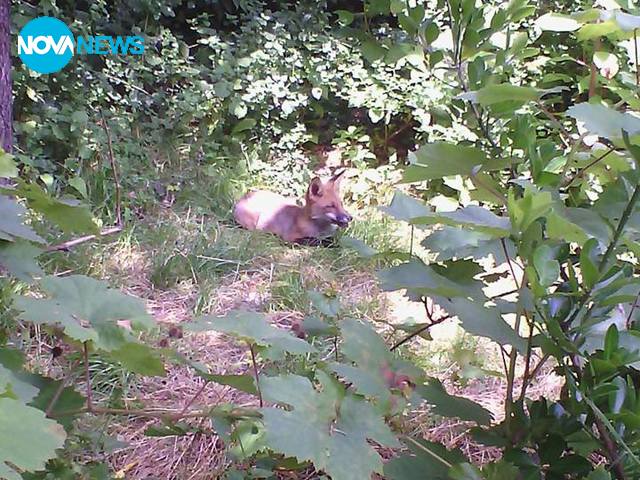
column 46, row 45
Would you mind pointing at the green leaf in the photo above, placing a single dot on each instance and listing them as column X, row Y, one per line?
column 427, row 163
column 454, row 242
column 594, row 30
column 139, row 358
column 406, row 208
column 465, row 471
column 11, row 224
column 362, row 345
column 485, row 322
column 588, row 268
column 14, row 381
column 504, row 92
column 546, row 265
column 345, row 17
column 372, row 51
column 472, row 217
column 8, row 168
column 604, row 121
column 244, row 383
column 79, row 184
column 600, row 473
column 87, row 310
column 358, row 245
column 19, row 258
column 27, row 438
column 452, row 406
column 69, row 215
column 324, row 427
column 420, row 278
column 526, row 210
column 243, row 125
column 556, row 22
column 68, row 400
column 428, row 460
column 366, row 383
column 252, row 327
column 325, row 304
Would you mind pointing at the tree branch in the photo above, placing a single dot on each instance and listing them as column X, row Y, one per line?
column 64, row 246
column 114, row 169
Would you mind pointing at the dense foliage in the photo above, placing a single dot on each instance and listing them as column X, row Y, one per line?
column 528, row 153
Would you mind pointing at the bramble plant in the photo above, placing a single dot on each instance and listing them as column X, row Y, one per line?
column 527, row 121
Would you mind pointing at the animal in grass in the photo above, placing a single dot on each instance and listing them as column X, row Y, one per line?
column 311, row 223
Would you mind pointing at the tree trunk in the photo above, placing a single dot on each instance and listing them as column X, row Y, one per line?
column 6, row 96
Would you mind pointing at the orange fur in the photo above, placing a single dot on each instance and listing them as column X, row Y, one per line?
column 316, row 219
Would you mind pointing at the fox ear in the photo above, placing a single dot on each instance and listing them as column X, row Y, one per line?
column 337, row 177
column 315, row 187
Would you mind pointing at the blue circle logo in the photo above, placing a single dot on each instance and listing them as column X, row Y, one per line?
column 45, row 45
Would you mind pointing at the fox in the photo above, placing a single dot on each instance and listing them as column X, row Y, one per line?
column 311, row 223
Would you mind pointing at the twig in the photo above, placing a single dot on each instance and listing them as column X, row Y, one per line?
column 77, row 241
column 621, row 225
column 419, row 331
column 116, row 177
column 633, row 307
column 580, row 173
column 527, row 381
column 60, row 389
column 193, row 399
column 566, row 136
column 635, row 52
column 168, row 414
column 87, row 376
column 255, row 372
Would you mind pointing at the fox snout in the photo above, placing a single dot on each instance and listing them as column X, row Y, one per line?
column 340, row 219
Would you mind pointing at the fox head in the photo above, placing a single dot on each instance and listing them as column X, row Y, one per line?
column 324, row 202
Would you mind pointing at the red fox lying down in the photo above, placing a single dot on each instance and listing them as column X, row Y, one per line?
column 315, row 220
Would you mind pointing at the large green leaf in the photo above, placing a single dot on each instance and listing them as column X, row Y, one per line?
column 139, row 358
column 472, row 217
column 27, row 438
column 324, row 426
column 426, row 460
column 527, row 209
column 452, row 406
column 68, row 400
column 362, row 345
column 19, row 258
column 437, row 160
column 455, row 242
column 484, row 321
column 556, row 22
column 254, row 328
column 69, row 215
column 87, row 310
column 11, row 223
column 503, row 92
column 14, row 381
column 420, row 278
column 605, row 121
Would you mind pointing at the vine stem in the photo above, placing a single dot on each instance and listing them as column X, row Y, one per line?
column 165, row 414
column 618, row 233
column 513, row 356
column 193, row 399
column 255, row 372
column 87, row 376
column 60, row 389
column 114, row 169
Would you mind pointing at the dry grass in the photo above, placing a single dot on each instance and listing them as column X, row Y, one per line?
column 202, row 455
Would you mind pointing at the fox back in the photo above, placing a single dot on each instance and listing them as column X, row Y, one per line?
column 318, row 218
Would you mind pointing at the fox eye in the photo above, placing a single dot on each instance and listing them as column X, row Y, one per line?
column 331, row 206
